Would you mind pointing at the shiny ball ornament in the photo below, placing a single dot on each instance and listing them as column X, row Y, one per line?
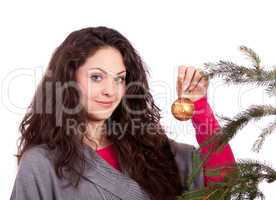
column 182, row 109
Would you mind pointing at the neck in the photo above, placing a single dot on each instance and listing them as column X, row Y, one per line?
column 96, row 136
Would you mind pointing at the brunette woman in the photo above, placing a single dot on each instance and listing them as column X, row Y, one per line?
column 92, row 130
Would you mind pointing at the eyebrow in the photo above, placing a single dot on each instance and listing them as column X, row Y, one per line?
column 105, row 71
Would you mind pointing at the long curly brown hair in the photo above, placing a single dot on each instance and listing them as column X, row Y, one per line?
column 146, row 155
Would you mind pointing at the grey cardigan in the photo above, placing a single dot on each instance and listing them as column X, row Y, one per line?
column 36, row 178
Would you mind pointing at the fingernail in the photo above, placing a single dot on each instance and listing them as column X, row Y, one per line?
column 185, row 88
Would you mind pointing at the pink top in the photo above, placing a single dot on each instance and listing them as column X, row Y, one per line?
column 109, row 155
column 205, row 125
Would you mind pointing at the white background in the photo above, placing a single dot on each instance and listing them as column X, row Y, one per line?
column 165, row 33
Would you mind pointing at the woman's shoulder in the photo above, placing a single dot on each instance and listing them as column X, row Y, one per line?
column 36, row 152
column 36, row 159
column 181, row 148
column 185, row 157
column 184, row 154
column 35, row 175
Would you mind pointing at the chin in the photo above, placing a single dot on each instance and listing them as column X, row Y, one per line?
column 99, row 116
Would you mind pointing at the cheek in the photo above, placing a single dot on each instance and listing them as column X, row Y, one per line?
column 87, row 94
column 93, row 92
column 89, row 90
column 120, row 97
column 120, row 94
column 122, row 91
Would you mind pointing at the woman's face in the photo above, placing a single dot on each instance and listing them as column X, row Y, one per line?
column 102, row 82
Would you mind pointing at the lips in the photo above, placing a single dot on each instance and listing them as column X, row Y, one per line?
column 105, row 104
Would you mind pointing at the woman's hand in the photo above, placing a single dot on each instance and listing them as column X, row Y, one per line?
column 191, row 83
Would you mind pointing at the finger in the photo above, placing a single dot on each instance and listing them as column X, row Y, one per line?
column 189, row 78
column 201, row 87
column 181, row 74
column 195, row 82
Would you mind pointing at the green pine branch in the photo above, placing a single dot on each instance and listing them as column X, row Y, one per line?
column 232, row 73
column 265, row 132
column 241, row 180
column 232, row 126
column 252, row 56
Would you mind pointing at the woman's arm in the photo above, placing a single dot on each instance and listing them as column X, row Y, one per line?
column 206, row 125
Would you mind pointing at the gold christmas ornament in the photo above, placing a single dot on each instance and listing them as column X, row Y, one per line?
column 182, row 109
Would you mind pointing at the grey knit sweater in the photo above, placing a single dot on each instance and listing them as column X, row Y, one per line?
column 37, row 180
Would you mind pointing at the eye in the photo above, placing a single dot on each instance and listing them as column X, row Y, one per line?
column 121, row 79
column 96, row 77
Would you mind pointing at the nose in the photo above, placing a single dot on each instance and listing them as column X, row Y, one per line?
column 110, row 87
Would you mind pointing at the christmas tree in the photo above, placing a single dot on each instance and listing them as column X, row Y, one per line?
column 242, row 180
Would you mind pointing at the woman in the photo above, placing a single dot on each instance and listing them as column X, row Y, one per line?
column 93, row 131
